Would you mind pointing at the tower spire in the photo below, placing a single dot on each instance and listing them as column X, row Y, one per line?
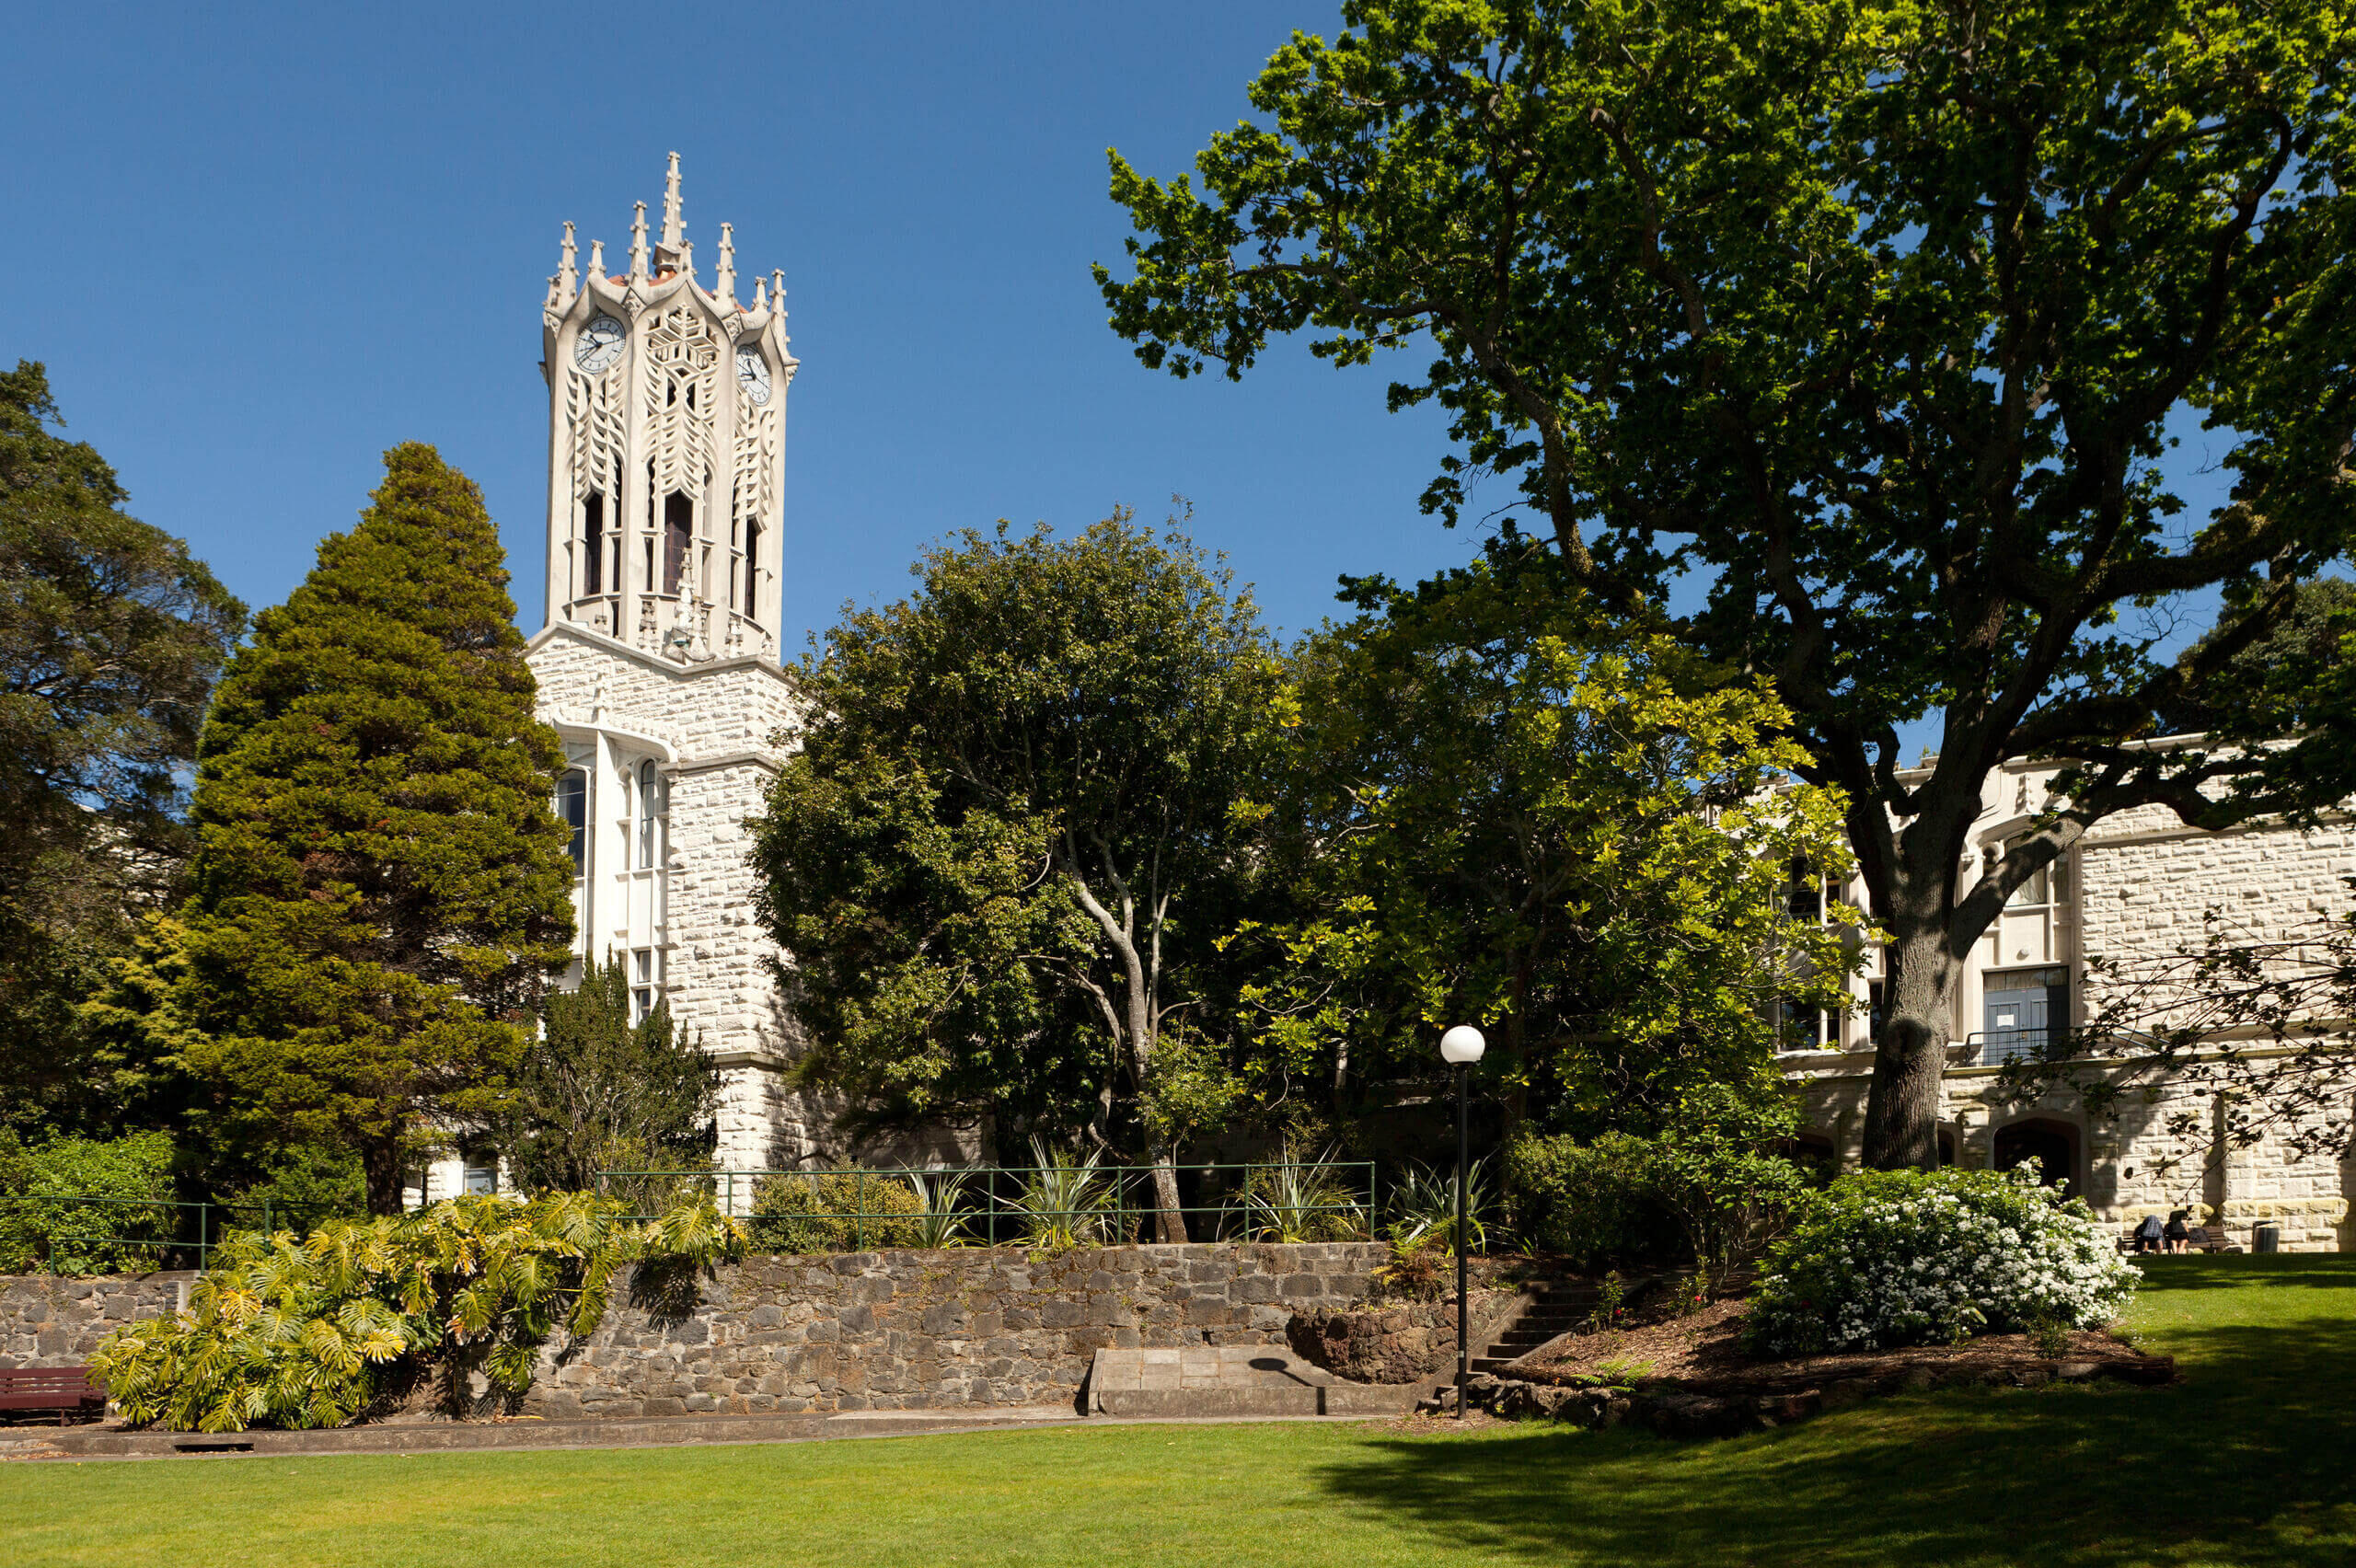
column 568, row 273
column 724, row 284
column 673, row 231
column 638, row 245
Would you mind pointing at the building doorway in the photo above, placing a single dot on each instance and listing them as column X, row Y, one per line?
column 2048, row 1147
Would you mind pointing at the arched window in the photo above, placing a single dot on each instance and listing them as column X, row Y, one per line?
column 679, row 526
column 572, row 810
column 653, row 803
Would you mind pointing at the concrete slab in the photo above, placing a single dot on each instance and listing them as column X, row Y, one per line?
column 1229, row 1381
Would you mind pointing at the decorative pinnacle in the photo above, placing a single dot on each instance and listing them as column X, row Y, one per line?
column 637, row 244
column 597, row 259
column 760, row 293
column 672, row 231
column 725, row 285
column 568, row 273
column 684, row 263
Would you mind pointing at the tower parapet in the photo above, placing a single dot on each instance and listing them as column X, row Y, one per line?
column 666, row 452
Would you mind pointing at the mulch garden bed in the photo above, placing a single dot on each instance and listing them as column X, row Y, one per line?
column 1690, row 1376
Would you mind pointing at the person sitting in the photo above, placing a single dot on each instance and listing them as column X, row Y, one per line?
column 2178, row 1233
column 2147, row 1235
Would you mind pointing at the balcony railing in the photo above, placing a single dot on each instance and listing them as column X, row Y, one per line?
column 1990, row 1047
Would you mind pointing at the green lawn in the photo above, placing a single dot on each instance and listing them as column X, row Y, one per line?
column 2251, row 1461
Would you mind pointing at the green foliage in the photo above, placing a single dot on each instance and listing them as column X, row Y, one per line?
column 941, row 1214
column 1590, row 1202
column 320, row 1330
column 839, row 1212
column 1423, row 1207
column 1709, row 1177
column 1502, row 810
column 1301, row 1200
column 1065, row 1199
column 131, row 1176
column 380, row 886
column 304, row 1187
column 1869, row 321
column 1001, row 852
column 596, row 1092
column 1916, row 1257
column 111, row 635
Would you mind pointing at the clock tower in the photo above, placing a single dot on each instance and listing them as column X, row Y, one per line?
column 658, row 660
column 666, row 449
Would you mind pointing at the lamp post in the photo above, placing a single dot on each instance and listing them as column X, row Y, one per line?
column 1461, row 1047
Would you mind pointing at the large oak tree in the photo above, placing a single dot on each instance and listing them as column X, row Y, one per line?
column 1872, row 314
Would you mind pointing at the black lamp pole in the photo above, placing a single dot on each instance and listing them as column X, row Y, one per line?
column 1464, row 1145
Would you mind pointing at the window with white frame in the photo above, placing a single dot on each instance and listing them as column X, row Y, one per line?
column 645, row 983
column 653, row 807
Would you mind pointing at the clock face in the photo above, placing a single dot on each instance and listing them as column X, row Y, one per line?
column 599, row 345
column 752, row 375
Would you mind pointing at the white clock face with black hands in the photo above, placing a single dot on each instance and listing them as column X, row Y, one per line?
column 752, row 375
column 599, row 345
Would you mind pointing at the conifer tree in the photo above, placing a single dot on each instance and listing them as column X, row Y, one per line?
column 381, row 888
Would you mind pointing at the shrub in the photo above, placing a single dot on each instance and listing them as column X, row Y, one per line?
column 314, row 1333
column 1592, row 1202
column 837, row 1212
column 1894, row 1258
column 1708, row 1178
column 78, row 1205
column 1065, row 1199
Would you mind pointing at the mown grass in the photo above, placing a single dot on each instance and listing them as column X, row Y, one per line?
column 2250, row 1462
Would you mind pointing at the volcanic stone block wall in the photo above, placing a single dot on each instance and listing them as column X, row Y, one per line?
column 915, row 1329
column 49, row 1322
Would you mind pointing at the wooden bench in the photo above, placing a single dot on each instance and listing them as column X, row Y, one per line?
column 65, row 1389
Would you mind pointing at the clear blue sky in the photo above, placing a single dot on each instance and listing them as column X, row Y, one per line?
column 260, row 245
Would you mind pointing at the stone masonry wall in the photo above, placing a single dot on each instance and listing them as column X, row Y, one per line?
column 916, row 1329
column 50, row 1321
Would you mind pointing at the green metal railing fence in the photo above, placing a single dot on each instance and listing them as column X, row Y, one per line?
column 78, row 1234
column 991, row 1205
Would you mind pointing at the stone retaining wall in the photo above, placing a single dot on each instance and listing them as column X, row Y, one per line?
column 46, row 1321
column 918, row 1330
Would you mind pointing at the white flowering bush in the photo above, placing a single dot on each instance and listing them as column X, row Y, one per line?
column 1893, row 1258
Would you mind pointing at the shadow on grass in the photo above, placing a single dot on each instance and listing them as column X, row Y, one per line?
column 2250, row 1462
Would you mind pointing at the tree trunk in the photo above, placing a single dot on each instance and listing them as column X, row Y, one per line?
column 380, row 1163
column 1170, row 1223
column 1903, row 1110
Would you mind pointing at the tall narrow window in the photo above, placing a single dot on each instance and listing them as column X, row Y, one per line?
column 592, row 543
column 678, row 519
column 651, row 806
column 572, row 809
column 752, row 567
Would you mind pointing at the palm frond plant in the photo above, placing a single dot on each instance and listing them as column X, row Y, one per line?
column 1301, row 1201
column 1423, row 1207
column 1065, row 1199
column 318, row 1330
column 941, row 1199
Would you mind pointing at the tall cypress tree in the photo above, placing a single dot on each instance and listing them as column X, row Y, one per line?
column 381, row 889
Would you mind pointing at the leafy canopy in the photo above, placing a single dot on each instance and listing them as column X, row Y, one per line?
column 111, row 635
column 1507, row 812
column 1000, row 855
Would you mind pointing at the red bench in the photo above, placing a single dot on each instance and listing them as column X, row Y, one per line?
column 65, row 1389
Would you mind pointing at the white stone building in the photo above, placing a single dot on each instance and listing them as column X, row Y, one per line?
column 2134, row 888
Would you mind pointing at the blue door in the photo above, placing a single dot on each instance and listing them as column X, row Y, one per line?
column 2023, row 1006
